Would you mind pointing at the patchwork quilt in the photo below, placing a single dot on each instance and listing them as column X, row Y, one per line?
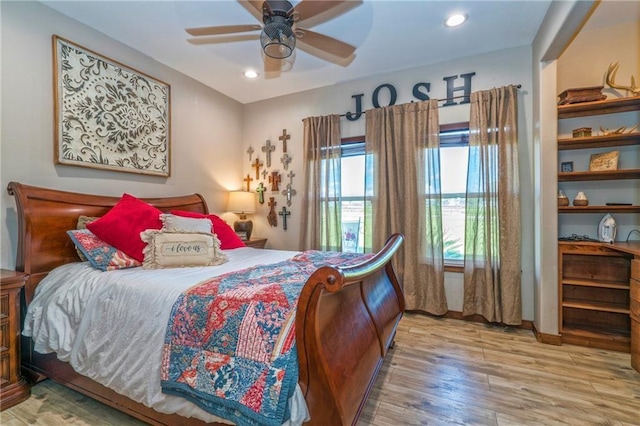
column 230, row 342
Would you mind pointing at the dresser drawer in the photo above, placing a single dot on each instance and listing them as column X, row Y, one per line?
column 635, row 269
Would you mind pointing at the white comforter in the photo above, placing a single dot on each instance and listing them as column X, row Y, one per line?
column 110, row 326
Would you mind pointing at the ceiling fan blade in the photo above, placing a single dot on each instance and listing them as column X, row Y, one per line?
column 254, row 7
column 325, row 43
column 312, row 13
column 223, row 39
column 343, row 62
column 222, row 29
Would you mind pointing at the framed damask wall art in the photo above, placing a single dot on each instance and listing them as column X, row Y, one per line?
column 107, row 115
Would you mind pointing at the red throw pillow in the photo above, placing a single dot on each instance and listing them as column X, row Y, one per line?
column 227, row 236
column 122, row 225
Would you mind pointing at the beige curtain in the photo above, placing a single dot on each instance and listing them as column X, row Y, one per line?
column 321, row 214
column 403, row 141
column 492, row 229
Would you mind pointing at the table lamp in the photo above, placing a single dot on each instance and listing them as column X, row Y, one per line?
column 243, row 203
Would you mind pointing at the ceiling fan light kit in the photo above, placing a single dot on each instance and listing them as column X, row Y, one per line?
column 277, row 38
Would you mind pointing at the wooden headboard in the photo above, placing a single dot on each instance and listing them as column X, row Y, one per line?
column 45, row 215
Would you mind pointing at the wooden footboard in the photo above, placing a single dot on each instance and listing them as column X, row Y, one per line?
column 345, row 321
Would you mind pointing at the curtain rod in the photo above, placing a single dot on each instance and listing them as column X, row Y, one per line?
column 518, row 86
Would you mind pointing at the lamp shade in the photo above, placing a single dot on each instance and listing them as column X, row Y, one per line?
column 241, row 202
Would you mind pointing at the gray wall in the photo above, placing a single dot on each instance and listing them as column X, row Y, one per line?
column 206, row 126
column 266, row 119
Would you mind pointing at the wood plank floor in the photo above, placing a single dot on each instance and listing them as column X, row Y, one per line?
column 442, row 372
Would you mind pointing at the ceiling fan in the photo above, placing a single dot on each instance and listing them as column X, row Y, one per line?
column 285, row 28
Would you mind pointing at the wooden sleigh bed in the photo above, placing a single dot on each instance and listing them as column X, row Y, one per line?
column 345, row 321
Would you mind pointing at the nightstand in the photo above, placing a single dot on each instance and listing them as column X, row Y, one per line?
column 258, row 243
column 13, row 387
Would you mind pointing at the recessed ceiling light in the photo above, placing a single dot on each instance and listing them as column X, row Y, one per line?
column 455, row 20
column 250, row 74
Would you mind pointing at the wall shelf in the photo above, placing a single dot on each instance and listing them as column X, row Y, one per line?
column 599, row 141
column 602, row 175
column 608, row 106
column 599, row 209
column 594, row 279
column 596, row 306
column 600, row 284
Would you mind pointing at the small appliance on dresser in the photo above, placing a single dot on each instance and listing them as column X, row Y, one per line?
column 13, row 387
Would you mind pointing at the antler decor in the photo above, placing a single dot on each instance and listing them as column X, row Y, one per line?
column 610, row 80
column 619, row 131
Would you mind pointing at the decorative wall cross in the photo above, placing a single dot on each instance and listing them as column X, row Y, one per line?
column 284, row 213
column 265, row 172
column 272, row 217
column 256, row 165
column 291, row 175
column 260, row 190
column 250, row 152
column 268, row 149
column 285, row 161
column 274, row 180
column 248, row 179
column 284, row 139
column 289, row 192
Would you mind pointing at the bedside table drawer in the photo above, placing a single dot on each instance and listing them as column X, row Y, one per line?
column 5, row 330
column 4, row 306
column 5, row 334
column 258, row 243
column 5, row 370
column 13, row 387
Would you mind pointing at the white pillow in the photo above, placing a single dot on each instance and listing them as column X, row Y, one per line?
column 166, row 249
column 175, row 223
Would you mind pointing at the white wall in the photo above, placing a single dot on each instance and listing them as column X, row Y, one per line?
column 206, row 126
column 266, row 119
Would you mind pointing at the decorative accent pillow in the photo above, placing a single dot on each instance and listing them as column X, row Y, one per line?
column 228, row 237
column 180, row 249
column 121, row 226
column 100, row 254
column 82, row 224
column 173, row 223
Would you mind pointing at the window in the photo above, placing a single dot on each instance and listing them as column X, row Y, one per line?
column 454, row 153
column 354, row 168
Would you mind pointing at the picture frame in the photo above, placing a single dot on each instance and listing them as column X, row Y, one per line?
column 242, row 235
column 566, row 167
column 604, row 161
column 107, row 115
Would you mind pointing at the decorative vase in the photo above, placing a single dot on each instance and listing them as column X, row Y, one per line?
column 581, row 200
column 563, row 200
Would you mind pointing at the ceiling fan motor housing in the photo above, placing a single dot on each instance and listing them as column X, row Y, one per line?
column 277, row 38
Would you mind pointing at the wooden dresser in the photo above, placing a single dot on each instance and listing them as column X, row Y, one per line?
column 599, row 289
column 13, row 387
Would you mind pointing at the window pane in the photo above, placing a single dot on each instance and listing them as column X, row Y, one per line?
column 353, row 178
column 453, row 168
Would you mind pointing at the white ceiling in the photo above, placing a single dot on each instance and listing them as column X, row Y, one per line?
column 389, row 36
